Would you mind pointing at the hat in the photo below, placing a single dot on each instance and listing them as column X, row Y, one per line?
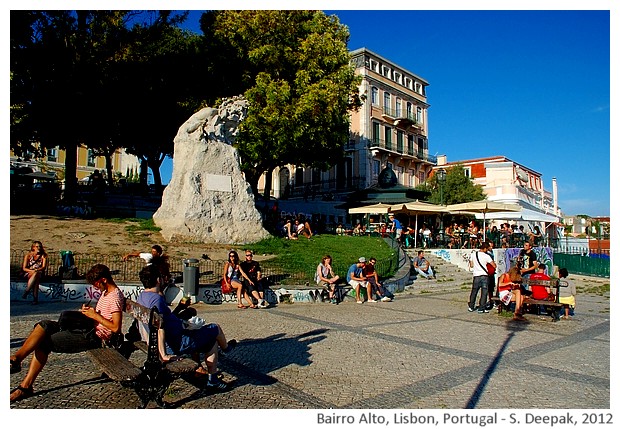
column 362, row 259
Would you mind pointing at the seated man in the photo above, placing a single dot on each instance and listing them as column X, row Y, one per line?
column 373, row 279
column 355, row 277
column 422, row 266
column 256, row 288
column 541, row 292
column 174, row 339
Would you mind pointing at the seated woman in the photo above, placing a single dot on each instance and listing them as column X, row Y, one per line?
column 326, row 278
column 511, row 281
column 303, row 228
column 290, row 230
column 232, row 276
column 46, row 337
column 34, row 265
column 340, row 229
column 174, row 339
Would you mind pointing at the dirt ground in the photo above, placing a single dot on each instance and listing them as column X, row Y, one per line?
column 99, row 236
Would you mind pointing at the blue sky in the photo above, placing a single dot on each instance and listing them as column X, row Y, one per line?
column 530, row 85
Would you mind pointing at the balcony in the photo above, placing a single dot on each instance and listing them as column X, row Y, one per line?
column 400, row 149
column 401, row 118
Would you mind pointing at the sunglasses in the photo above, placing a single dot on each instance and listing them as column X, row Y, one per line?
column 248, row 255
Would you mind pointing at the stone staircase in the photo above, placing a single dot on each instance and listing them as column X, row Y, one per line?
column 449, row 276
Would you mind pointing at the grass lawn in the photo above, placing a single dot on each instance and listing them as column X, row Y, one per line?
column 301, row 257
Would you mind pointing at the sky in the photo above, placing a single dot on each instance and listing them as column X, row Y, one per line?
column 531, row 85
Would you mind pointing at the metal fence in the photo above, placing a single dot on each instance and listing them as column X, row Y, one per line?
column 586, row 264
column 210, row 270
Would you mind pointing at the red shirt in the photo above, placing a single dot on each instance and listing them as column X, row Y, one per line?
column 539, row 292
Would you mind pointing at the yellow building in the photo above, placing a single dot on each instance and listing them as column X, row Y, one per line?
column 86, row 162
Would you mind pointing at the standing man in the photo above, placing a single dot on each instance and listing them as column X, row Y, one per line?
column 479, row 262
column 423, row 266
column 355, row 277
column 397, row 227
column 527, row 262
column 252, row 269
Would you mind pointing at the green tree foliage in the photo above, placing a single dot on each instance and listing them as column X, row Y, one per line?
column 457, row 188
column 294, row 69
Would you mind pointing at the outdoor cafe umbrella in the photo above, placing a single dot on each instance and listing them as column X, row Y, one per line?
column 418, row 207
column 379, row 208
column 484, row 207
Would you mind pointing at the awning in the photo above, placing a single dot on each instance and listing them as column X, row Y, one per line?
column 524, row 214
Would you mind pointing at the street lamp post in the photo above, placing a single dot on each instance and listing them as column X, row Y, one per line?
column 441, row 179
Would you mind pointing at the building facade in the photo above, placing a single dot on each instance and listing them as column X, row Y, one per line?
column 389, row 130
column 508, row 181
column 87, row 162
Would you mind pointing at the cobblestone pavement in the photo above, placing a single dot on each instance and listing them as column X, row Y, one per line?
column 421, row 351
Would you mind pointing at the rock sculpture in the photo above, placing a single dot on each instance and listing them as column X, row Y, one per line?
column 208, row 199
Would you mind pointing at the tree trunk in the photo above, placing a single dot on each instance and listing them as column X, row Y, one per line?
column 108, row 169
column 70, row 194
column 268, row 184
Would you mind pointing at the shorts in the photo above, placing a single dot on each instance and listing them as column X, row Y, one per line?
column 58, row 341
column 196, row 340
column 356, row 283
column 567, row 300
column 257, row 286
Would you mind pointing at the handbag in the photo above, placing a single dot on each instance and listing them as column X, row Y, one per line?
column 490, row 269
column 226, row 288
column 75, row 321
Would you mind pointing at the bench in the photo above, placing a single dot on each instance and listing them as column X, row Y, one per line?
column 555, row 306
column 152, row 379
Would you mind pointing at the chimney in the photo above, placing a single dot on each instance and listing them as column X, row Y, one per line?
column 554, row 184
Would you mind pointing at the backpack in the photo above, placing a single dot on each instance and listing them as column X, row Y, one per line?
column 68, row 270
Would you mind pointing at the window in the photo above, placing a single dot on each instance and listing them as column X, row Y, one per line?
column 411, row 179
column 385, row 71
column 410, row 149
column 374, row 94
column 408, row 82
column 52, row 155
column 398, row 77
column 467, row 171
column 387, row 102
column 376, row 167
column 374, row 66
column 422, row 176
column 418, row 116
column 409, row 110
column 90, row 158
column 376, row 136
column 388, row 138
column 399, row 108
column 299, row 176
column 418, row 88
column 400, row 141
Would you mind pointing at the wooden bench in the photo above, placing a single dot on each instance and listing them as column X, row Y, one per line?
column 555, row 306
column 152, row 379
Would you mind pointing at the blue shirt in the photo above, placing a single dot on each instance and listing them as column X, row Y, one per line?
column 397, row 224
column 354, row 270
column 173, row 326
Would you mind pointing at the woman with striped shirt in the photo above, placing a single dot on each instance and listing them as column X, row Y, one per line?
column 46, row 337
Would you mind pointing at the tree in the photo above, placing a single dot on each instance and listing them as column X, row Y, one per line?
column 59, row 65
column 458, row 188
column 294, row 69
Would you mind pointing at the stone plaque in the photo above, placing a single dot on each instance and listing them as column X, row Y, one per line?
column 217, row 182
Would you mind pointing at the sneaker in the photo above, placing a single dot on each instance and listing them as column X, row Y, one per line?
column 360, row 302
column 216, row 384
column 386, row 299
column 371, row 300
column 334, row 301
column 263, row 304
column 231, row 345
column 483, row 310
column 470, row 309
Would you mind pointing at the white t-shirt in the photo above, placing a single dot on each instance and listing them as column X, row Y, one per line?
column 148, row 257
column 484, row 260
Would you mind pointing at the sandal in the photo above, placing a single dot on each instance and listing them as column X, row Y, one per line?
column 26, row 392
column 241, row 306
column 253, row 306
column 15, row 366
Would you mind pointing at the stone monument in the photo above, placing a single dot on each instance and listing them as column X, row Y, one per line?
column 208, row 199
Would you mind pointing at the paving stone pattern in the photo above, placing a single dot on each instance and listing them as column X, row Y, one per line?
column 421, row 351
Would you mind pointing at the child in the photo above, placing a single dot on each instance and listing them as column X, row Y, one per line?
column 567, row 294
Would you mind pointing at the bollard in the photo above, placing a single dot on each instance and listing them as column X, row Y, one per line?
column 190, row 277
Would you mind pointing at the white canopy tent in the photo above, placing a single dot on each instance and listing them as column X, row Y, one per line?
column 524, row 214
